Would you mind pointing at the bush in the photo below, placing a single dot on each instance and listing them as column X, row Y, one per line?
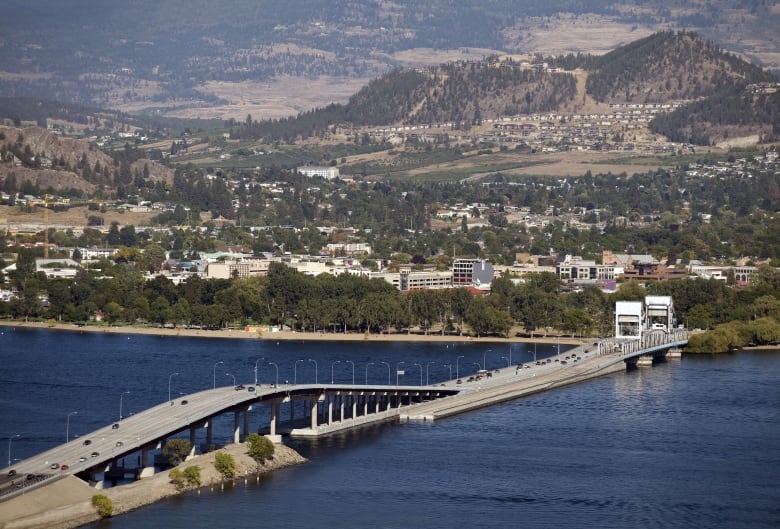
column 189, row 477
column 225, row 464
column 103, row 505
column 259, row 447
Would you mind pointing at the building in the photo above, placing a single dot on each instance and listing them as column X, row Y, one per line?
column 408, row 280
column 328, row 173
column 573, row 269
column 472, row 272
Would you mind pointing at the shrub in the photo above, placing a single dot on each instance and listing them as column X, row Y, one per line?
column 192, row 475
column 103, row 505
column 225, row 464
column 259, row 447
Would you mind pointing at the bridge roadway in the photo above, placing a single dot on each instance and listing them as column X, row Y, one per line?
column 145, row 431
column 592, row 360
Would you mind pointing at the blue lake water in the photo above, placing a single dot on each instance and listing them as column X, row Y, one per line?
column 688, row 443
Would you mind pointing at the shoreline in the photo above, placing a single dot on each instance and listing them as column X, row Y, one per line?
column 70, row 505
column 253, row 334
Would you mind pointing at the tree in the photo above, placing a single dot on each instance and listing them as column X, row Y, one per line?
column 225, row 464
column 176, row 450
column 259, row 447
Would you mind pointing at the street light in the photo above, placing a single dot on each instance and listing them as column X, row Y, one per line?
column 508, row 362
column 450, row 367
column 397, row 366
column 169, row 384
column 17, row 436
column 316, row 369
column 418, row 365
column 388, row 372
column 484, row 358
column 234, row 378
column 215, row 372
column 427, row 373
column 353, row 370
column 331, row 369
column 277, row 372
column 368, row 364
column 67, row 425
column 479, row 367
column 295, row 371
column 257, row 362
column 457, row 366
column 120, row 403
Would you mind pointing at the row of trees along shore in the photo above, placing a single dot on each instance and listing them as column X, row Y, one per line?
column 348, row 303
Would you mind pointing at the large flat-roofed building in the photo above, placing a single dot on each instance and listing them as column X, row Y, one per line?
column 328, row 173
column 472, row 272
column 408, row 280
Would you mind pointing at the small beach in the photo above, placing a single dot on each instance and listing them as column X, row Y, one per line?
column 262, row 333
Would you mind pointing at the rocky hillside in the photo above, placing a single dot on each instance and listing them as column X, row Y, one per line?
column 45, row 159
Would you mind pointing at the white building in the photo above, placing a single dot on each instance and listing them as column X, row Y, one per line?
column 328, row 173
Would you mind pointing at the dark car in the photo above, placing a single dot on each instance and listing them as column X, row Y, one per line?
column 64, row 467
column 183, row 402
column 119, row 443
column 459, row 381
column 87, row 442
column 115, row 426
column 11, row 473
column 240, row 387
column 250, row 389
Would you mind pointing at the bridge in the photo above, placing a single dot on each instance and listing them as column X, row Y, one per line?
column 328, row 408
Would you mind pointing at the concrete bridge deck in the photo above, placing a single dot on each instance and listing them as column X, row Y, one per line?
column 144, row 432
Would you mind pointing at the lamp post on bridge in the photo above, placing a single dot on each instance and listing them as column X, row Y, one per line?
column 17, row 436
column 316, row 370
column 450, row 367
column 169, row 384
column 214, row 373
column 484, row 358
column 353, row 370
column 276, row 384
column 397, row 371
column 331, row 369
column 67, row 426
column 457, row 366
column 120, row 402
column 233, row 376
column 508, row 362
column 256, row 362
column 427, row 372
column 388, row 371
column 418, row 365
column 479, row 367
column 368, row 364
column 295, row 372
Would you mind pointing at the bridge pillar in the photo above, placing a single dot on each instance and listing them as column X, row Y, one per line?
column 341, row 408
column 377, row 398
column 246, row 420
column 314, row 414
column 330, row 410
column 365, row 405
column 209, row 434
column 274, row 418
column 193, row 431
column 354, row 407
column 147, row 470
column 236, row 427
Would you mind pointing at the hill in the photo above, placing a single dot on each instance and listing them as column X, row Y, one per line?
column 171, row 55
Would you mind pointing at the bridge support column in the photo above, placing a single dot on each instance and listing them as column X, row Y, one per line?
column 341, row 408
column 246, row 420
column 365, row 405
column 193, row 431
column 330, row 410
column 209, row 434
column 147, row 470
column 377, row 397
column 236, row 427
column 313, row 414
column 354, row 407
